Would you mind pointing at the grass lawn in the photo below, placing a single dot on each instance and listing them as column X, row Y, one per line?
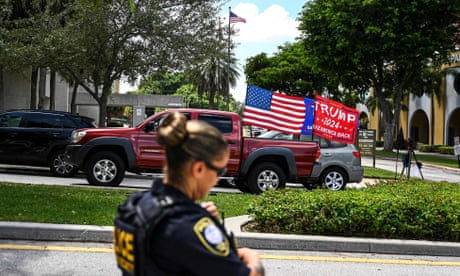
column 97, row 206
column 86, row 206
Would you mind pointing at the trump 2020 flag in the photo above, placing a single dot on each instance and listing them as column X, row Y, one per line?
column 277, row 111
column 335, row 121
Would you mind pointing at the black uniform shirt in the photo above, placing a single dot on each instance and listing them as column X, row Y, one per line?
column 192, row 242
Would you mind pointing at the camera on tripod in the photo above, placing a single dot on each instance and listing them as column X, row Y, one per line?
column 410, row 144
column 406, row 159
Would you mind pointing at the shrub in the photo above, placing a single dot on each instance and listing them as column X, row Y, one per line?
column 436, row 147
column 446, row 150
column 412, row 209
column 425, row 148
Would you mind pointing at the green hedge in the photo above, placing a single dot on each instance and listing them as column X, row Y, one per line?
column 446, row 150
column 425, row 148
column 403, row 210
column 436, row 148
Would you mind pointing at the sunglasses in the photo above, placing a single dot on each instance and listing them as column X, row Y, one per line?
column 220, row 171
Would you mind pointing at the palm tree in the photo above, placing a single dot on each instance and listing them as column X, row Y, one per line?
column 213, row 77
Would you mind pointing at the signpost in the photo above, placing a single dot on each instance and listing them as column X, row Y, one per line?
column 366, row 143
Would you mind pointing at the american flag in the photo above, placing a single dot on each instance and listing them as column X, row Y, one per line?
column 277, row 111
column 235, row 18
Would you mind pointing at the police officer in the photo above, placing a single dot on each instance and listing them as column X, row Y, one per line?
column 191, row 241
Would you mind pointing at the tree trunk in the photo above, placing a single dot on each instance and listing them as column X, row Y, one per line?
column 73, row 105
column 2, row 92
column 391, row 118
column 52, row 90
column 106, row 91
column 212, row 94
column 33, row 87
column 388, row 137
column 387, row 123
column 42, row 88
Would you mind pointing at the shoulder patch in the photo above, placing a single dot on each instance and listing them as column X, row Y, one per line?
column 211, row 237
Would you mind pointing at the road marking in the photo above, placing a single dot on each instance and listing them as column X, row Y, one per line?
column 263, row 256
column 55, row 248
column 359, row 260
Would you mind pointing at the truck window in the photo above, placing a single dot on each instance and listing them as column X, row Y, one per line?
column 153, row 125
column 222, row 123
column 10, row 119
column 43, row 120
column 323, row 143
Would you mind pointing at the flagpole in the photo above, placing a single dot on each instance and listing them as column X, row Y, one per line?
column 218, row 67
column 228, row 60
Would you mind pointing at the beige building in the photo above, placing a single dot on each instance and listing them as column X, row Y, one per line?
column 427, row 120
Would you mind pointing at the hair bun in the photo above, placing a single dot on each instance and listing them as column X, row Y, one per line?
column 172, row 131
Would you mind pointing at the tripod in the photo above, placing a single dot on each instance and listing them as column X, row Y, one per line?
column 406, row 158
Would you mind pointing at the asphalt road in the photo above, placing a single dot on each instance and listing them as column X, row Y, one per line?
column 58, row 258
column 37, row 175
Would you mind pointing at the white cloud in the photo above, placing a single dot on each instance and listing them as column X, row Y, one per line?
column 263, row 31
column 270, row 25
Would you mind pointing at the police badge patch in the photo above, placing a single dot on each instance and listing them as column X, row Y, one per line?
column 211, row 237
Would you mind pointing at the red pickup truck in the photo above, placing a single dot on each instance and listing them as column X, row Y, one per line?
column 104, row 154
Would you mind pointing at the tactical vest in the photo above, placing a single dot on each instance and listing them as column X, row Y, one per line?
column 135, row 222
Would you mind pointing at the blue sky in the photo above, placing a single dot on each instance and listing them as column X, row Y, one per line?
column 269, row 24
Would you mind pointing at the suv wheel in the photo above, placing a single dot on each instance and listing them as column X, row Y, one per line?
column 105, row 169
column 59, row 167
column 334, row 179
column 266, row 176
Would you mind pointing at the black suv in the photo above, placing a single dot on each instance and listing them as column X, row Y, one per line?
column 38, row 138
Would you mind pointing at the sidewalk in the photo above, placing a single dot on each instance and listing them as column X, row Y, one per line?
column 90, row 233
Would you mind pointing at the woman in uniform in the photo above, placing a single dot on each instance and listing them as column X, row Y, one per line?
column 192, row 241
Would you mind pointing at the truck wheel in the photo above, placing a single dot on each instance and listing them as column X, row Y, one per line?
column 334, row 179
column 59, row 167
column 266, row 176
column 105, row 169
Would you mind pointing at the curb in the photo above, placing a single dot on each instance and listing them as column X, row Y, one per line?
column 90, row 233
column 338, row 244
column 55, row 232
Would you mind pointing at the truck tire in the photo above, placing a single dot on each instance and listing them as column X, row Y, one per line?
column 335, row 179
column 59, row 167
column 266, row 176
column 105, row 168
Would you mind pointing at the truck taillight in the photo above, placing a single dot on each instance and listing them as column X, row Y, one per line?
column 318, row 155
